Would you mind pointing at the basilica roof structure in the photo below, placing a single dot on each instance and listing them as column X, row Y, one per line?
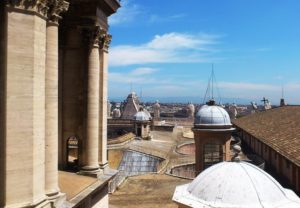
column 131, row 106
column 278, row 128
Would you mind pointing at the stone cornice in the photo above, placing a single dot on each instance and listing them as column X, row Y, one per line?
column 56, row 7
column 38, row 6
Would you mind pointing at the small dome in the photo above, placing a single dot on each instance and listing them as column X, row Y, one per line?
column 235, row 184
column 142, row 116
column 116, row 113
column 212, row 115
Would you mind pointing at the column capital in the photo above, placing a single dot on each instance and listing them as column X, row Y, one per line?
column 93, row 35
column 56, row 7
column 38, row 6
column 105, row 41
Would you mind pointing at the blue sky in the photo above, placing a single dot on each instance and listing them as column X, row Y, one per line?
column 166, row 47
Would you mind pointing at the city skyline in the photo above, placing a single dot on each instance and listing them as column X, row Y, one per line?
column 169, row 52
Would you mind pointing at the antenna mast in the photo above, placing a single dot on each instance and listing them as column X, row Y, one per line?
column 212, row 81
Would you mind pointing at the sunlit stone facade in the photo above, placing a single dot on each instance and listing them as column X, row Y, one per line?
column 53, row 86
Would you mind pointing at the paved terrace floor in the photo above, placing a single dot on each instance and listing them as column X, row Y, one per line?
column 152, row 190
column 146, row 191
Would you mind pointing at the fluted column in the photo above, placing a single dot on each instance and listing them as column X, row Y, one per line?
column 104, row 45
column 51, row 95
column 92, row 141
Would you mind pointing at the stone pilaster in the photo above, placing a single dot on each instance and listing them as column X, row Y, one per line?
column 51, row 96
column 104, row 45
column 92, row 131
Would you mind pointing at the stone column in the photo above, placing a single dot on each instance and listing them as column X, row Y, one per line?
column 92, row 131
column 51, row 96
column 104, row 45
column 22, row 138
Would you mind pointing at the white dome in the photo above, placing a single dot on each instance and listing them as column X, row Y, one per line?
column 142, row 116
column 212, row 115
column 235, row 185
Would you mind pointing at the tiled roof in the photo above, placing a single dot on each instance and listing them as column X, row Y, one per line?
column 278, row 128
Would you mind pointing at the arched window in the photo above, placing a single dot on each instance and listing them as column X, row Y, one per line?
column 213, row 153
column 72, row 152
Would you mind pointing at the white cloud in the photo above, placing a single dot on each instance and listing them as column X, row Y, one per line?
column 238, row 86
column 166, row 48
column 143, row 71
column 180, row 41
column 292, row 86
column 263, row 49
column 136, row 76
column 157, row 18
column 126, row 14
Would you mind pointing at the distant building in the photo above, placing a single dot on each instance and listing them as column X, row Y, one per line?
column 156, row 110
column 116, row 113
column 131, row 106
column 274, row 135
column 191, row 110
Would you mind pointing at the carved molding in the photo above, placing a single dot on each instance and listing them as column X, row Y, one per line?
column 39, row 6
column 92, row 35
column 105, row 41
column 56, row 7
column 97, row 37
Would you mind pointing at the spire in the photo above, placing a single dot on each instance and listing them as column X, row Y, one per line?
column 282, row 101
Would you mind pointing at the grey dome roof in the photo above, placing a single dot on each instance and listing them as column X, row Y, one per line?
column 212, row 115
column 142, row 116
column 235, row 184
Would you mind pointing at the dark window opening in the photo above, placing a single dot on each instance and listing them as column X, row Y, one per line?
column 72, row 152
column 213, row 153
column 139, row 131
